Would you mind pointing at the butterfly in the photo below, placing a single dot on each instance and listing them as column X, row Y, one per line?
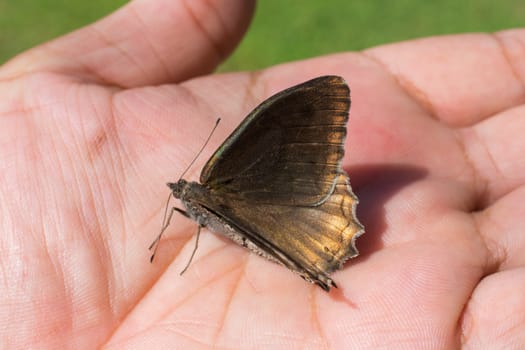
column 276, row 185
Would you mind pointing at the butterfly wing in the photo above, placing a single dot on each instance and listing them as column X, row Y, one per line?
column 311, row 240
column 288, row 150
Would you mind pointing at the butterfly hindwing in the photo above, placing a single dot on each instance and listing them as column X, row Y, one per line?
column 311, row 240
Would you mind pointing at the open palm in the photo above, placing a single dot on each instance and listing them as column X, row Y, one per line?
column 94, row 124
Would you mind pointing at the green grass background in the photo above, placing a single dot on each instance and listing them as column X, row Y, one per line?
column 282, row 30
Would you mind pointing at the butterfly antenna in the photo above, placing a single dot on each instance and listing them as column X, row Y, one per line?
column 202, row 148
column 194, row 250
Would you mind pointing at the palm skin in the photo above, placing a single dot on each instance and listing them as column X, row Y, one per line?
column 90, row 136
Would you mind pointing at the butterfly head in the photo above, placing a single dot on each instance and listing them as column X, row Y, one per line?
column 178, row 188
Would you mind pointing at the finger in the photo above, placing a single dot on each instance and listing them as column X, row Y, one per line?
column 494, row 148
column 499, row 225
column 145, row 42
column 459, row 79
column 494, row 317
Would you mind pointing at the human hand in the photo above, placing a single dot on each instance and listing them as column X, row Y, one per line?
column 94, row 124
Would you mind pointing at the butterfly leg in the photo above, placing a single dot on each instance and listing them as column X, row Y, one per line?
column 155, row 244
column 194, row 250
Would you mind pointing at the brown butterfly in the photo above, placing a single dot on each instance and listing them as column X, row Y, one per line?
column 276, row 185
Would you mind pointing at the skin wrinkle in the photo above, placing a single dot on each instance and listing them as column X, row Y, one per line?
column 484, row 184
column 43, row 235
column 88, row 71
column 462, row 319
column 113, row 130
column 14, row 96
column 33, row 153
column 247, row 277
column 496, row 254
column 115, row 45
column 424, row 102
column 495, row 257
column 408, row 87
column 191, row 99
column 105, row 253
column 96, row 145
column 223, row 54
column 117, row 167
column 417, row 95
column 58, row 273
column 174, row 329
column 480, row 185
column 132, row 306
column 68, row 292
column 170, row 328
column 49, row 49
column 227, row 304
column 22, row 72
column 123, row 52
column 117, row 164
column 202, row 29
column 3, row 243
column 504, row 53
column 191, row 294
column 99, row 142
column 144, row 28
column 314, row 317
column 250, row 98
column 465, row 323
column 508, row 331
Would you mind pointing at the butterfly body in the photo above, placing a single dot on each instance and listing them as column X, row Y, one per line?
column 276, row 185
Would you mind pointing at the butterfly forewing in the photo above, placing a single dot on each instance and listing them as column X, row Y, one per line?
column 288, row 150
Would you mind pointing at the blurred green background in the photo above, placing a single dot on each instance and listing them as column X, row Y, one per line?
column 282, row 30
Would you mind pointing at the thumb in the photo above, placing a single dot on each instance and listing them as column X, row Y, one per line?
column 144, row 43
